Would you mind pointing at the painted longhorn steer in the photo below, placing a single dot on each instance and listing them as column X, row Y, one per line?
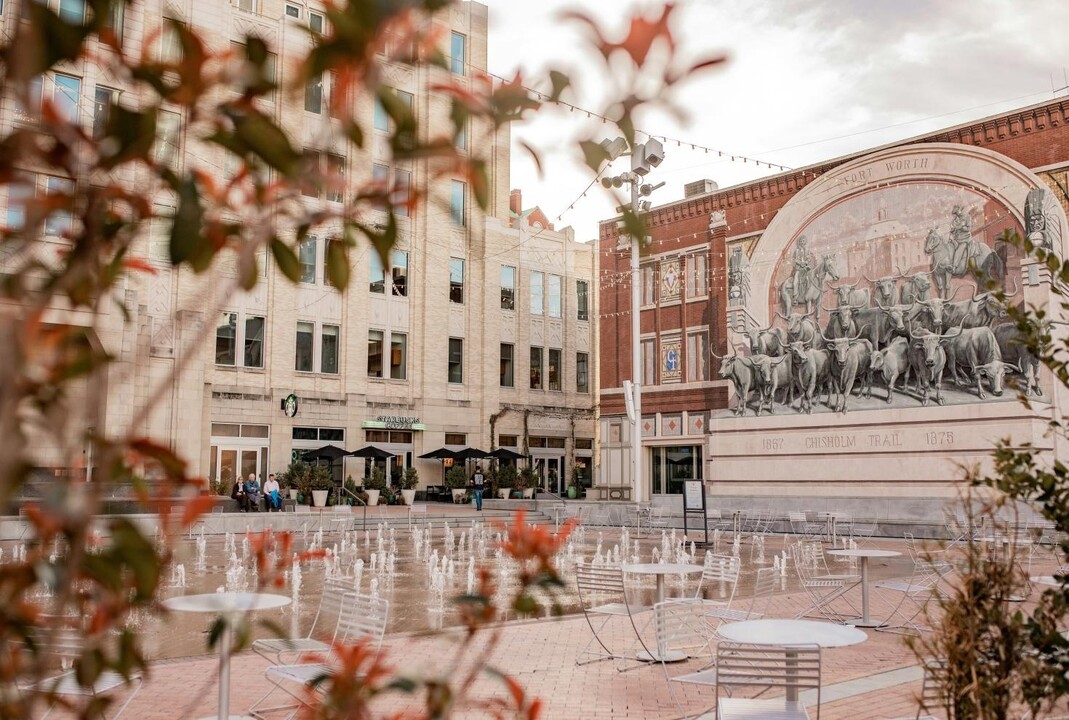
column 802, row 327
column 932, row 312
column 741, row 376
column 927, row 359
column 851, row 295
column 811, row 368
column 1016, row 353
column 982, row 309
column 978, row 350
column 891, row 362
column 767, row 341
column 770, row 374
column 917, row 287
column 849, row 358
column 884, row 290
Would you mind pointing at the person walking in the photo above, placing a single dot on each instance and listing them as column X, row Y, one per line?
column 479, row 481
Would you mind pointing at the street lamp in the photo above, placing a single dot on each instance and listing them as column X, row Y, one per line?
column 644, row 157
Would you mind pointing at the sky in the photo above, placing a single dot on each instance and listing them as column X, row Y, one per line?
column 804, row 81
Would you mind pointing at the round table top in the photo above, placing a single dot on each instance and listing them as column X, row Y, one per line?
column 662, row 568
column 226, row 602
column 792, row 632
column 1045, row 580
column 864, row 553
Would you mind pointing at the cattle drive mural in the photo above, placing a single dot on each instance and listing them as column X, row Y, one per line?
column 870, row 312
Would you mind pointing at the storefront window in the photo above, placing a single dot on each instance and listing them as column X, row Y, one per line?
column 672, row 465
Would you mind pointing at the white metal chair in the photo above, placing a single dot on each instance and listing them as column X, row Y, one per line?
column 681, row 628
column 823, row 587
column 325, row 624
column 721, row 576
column 417, row 512
column 791, row 667
column 659, row 517
column 364, row 616
column 803, row 528
column 592, row 581
column 67, row 644
column 922, row 585
column 764, row 586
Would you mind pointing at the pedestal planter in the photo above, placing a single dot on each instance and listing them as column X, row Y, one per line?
column 409, row 496
column 293, row 493
column 372, row 497
column 503, row 493
column 319, row 498
column 459, row 494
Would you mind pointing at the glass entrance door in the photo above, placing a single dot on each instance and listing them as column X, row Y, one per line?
column 548, row 470
column 231, row 463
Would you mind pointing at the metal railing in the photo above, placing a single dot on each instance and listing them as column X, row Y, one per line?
column 342, row 491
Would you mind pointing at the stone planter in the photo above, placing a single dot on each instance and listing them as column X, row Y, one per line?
column 503, row 493
column 372, row 497
column 293, row 493
column 459, row 494
column 319, row 498
column 409, row 496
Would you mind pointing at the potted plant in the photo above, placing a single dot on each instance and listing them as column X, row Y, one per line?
column 575, row 489
column 320, row 483
column 457, row 481
column 375, row 485
column 350, row 490
column 506, row 480
column 409, row 481
column 298, row 478
column 526, row 482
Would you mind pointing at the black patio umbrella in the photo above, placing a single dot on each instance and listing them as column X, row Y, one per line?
column 470, row 453
column 327, row 452
column 372, row 452
column 506, row 454
column 439, row 454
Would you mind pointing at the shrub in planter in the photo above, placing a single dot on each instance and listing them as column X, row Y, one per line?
column 377, row 480
column 526, row 479
column 456, row 478
column 410, row 479
column 506, row 477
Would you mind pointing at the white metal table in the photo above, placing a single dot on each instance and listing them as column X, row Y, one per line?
column 865, row 554
column 1045, row 580
column 659, row 570
column 791, row 632
column 230, row 605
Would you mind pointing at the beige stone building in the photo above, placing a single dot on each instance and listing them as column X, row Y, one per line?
column 479, row 331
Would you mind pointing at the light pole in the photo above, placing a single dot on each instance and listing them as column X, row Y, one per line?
column 644, row 157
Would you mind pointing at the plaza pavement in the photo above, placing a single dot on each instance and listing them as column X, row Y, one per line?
column 878, row 679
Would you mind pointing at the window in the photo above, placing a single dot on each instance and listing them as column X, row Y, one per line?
column 536, row 368
column 507, row 351
column 648, row 364
column 456, row 203
column 381, row 119
column 167, row 128
column 399, row 273
column 317, row 22
column 648, row 285
column 537, row 293
column 456, row 439
column 582, row 373
column 456, row 360
column 170, row 43
column 374, row 353
column 377, row 278
column 254, row 342
column 672, row 465
column 73, row 11
column 335, row 178
column 697, row 356
column 456, row 54
column 306, row 255
column 19, row 193
column 313, row 95
column 508, row 440
column 456, row 280
column 330, row 349
column 460, row 141
column 247, row 5
column 398, row 356
column 554, row 369
column 554, row 295
column 696, row 273
column 397, row 191
column 327, row 245
column 115, row 18
column 582, row 307
column 30, row 112
column 305, row 340
column 508, row 287
column 58, row 222
column 311, row 164
column 68, row 92
column 103, row 100
column 293, row 11
column 226, row 339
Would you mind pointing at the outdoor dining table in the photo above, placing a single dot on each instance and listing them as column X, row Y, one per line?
column 1045, row 580
column 230, row 605
column 770, row 631
column 659, row 570
column 865, row 553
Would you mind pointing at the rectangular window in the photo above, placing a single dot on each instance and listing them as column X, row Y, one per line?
column 305, row 340
column 103, row 100
column 456, row 280
column 399, row 273
column 19, row 193
column 377, row 277
column 648, row 364
column 456, row 54
column 311, row 169
column 508, row 287
column 582, row 307
column 697, row 356
column 306, row 254
column 536, row 368
column 456, row 439
column 226, row 346
column 330, row 349
column 456, row 360
column 313, row 95
column 316, row 22
column 554, row 369
column 327, row 245
column 555, row 289
column 398, row 356
column 460, row 141
column 68, row 92
column 401, row 192
column 537, row 293
column 168, row 125
column 582, row 373
column 254, row 342
column 73, row 11
column 293, row 11
column 456, row 203
column 115, row 19
column 507, row 374
column 648, row 285
column 374, row 353
column 335, row 178
column 508, row 440
column 380, row 121
column 696, row 273
column 58, row 222
column 247, row 5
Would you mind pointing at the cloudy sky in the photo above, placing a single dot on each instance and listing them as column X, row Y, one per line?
column 806, row 80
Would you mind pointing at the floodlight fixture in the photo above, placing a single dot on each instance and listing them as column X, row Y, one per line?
column 614, row 148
